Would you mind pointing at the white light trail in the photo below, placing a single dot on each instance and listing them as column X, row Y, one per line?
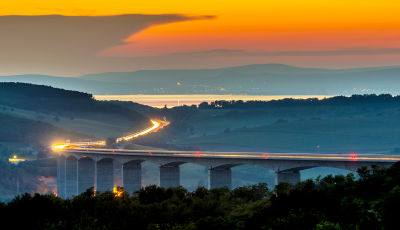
column 156, row 124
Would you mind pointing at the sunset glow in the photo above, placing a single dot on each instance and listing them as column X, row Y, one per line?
column 254, row 29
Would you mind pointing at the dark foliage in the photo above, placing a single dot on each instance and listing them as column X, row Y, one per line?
column 333, row 101
column 46, row 99
column 332, row 202
column 175, row 114
column 16, row 129
column 24, row 176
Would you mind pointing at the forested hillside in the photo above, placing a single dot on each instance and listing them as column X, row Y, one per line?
column 355, row 99
column 25, row 177
column 329, row 203
column 15, row 129
column 134, row 106
column 264, row 79
column 49, row 100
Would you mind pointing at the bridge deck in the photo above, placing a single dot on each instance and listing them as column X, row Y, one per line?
column 237, row 155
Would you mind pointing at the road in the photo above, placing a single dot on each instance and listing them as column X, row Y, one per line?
column 240, row 155
column 156, row 125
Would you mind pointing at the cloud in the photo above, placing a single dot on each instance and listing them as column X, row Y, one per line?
column 215, row 52
column 69, row 10
column 69, row 44
column 361, row 51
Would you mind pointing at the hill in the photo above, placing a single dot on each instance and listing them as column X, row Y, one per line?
column 77, row 84
column 15, row 129
column 351, row 134
column 86, row 126
column 174, row 75
column 66, row 103
column 266, row 79
column 357, row 123
column 134, row 106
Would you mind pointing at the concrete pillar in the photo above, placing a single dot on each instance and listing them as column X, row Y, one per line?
column 104, row 175
column 85, row 174
column 219, row 178
column 61, row 176
column 289, row 176
column 169, row 176
column 131, row 177
column 71, row 177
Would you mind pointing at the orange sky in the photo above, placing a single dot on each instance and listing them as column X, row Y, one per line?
column 252, row 26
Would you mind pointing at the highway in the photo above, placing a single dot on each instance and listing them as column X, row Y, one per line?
column 156, row 125
column 85, row 160
column 88, row 147
column 237, row 155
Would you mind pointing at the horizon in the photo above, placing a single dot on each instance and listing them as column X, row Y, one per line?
column 367, row 68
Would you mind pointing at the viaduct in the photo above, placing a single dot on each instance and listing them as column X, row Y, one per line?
column 79, row 169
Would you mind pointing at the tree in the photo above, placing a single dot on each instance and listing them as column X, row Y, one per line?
column 111, row 140
column 328, row 226
column 72, row 118
column 203, row 105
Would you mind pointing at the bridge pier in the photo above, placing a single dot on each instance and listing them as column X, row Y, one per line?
column 104, row 171
column 219, row 177
column 169, row 176
column 71, row 177
column 85, row 174
column 219, row 173
column 287, row 176
column 132, row 177
column 61, row 176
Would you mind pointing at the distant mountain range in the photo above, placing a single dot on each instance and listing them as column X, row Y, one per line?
column 264, row 79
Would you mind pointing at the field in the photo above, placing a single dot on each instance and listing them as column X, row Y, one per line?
column 334, row 128
column 100, row 125
column 204, row 122
column 356, row 134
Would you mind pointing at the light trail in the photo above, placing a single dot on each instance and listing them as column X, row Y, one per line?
column 15, row 159
column 253, row 155
column 267, row 156
column 73, row 145
column 156, row 125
